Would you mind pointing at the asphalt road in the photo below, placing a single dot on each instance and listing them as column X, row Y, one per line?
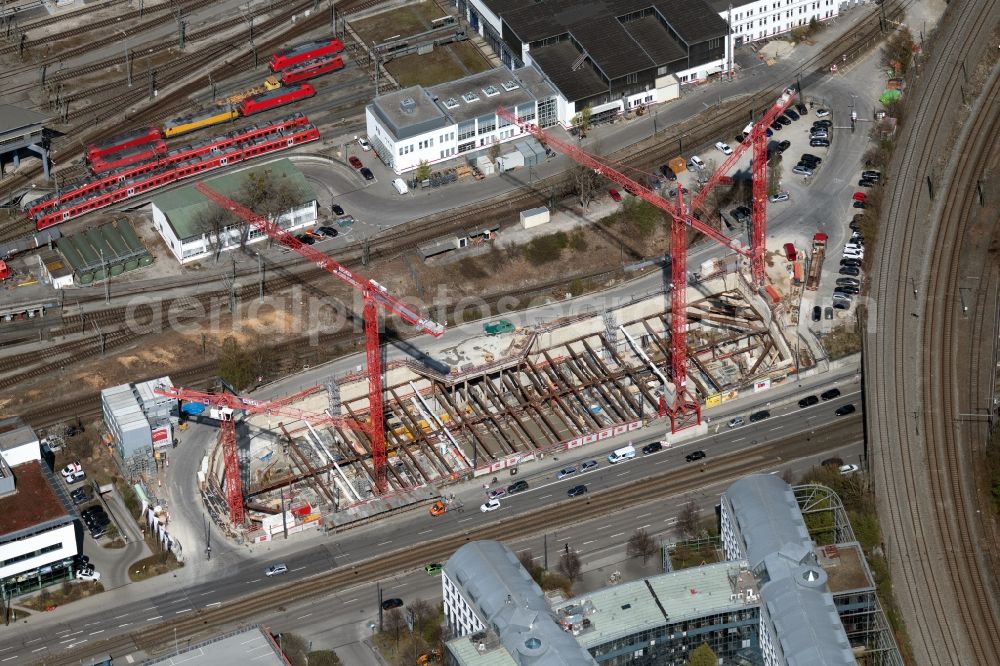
column 139, row 606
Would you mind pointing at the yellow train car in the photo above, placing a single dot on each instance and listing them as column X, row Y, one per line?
column 186, row 124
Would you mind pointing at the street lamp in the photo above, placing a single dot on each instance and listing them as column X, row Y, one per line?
column 128, row 70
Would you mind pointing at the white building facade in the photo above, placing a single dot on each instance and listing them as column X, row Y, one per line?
column 763, row 19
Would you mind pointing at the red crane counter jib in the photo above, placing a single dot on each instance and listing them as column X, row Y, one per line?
column 375, row 295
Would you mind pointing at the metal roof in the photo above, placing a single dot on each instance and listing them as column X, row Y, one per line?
column 557, row 61
column 768, row 516
column 245, row 646
column 506, row 598
column 14, row 433
column 14, row 118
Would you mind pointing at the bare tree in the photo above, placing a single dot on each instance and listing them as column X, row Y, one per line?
column 211, row 222
column 394, row 624
column 421, row 613
column 295, row 648
column 641, row 544
column 494, row 151
column 570, row 565
column 688, row 519
column 587, row 182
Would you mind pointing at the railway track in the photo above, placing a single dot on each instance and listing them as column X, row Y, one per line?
column 203, row 623
column 939, row 579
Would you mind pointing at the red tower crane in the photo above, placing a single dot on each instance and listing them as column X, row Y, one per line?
column 234, row 484
column 686, row 410
column 375, row 296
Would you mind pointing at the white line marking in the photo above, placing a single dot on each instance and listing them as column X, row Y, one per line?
column 738, row 439
column 33, row 640
column 616, row 535
column 123, row 625
column 150, row 608
column 118, row 617
column 563, row 539
column 351, row 601
column 605, row 527
column 75, row 633
column 663, row 462
column 644, row 527
column 150, row 619
column 214, row 603
column 778, row 428
column 671, row 520
column 545, row 497
column 424, row 532
column 94, row 633
column 255, row 580
column 206, row 593
column 401, row 585
column 384, row 543
column 39, row 649
column 463, row 520
column 9, row 658
column 299, row 569
column 182, row 611
column 644, row 515
column 586, row 542
column 623, row 473
column 302, row 617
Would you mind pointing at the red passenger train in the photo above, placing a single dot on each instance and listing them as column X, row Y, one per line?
column 311, row 69
column 275, row 98
column 303, row 52
column 123, row 141
column 140, row 153
column 133, row 180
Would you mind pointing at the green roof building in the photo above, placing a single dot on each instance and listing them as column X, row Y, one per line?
column 184, row 217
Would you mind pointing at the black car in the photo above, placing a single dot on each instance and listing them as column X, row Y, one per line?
column 367, row 173
column 847, row 261
column 854, row 226
column 760, row 416
column 576, row 491
column 327, row 231
column 847, row 290
column 776, row 126
column 98, row 532
column 822, row 123
column 866, row 182
column 81, row 560
column 337, row 209
column 740, row 137
column 92, row 510
column 664, row 170
column 852, row 271
column 830, row 394
column 845, row 410
column 97, row 519
column 79, row 496
column 817, row 312
column 828, row 313
column 784, row 120
column 389, row 604
column 305, row 239
column 694, row 455
column 819, row 143
column 810, row 156
column 517, row 487
column 802, row 109
column 808, row 401
column 871, row 175
column 860, row 204
column 791, row 114
column 848, row 282
column 652, row 448
column 784, row 145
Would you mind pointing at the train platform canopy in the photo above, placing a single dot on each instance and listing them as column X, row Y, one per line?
column 22, row 129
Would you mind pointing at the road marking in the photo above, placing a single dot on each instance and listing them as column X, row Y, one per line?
column 384, row 543
column 586, row 542
column 79, row 643
column 75, row 633
column 671, row 520
column 302, row 617
column 33, row 640
column 11, row 647
column 118, row 617
column 206, row 593
column 461, row 521
column 738, row 439
column 616, row 535
column 663, row 462
column 94, row 633
column 68, row 640
column 545, row 497
column 400, row 585
column 644, row 527
column 644, row 515
column 9, row 658
column 214, row 603
column 351, row 601
column 182, row 611
column 255, row 580
column 563, row 539
column 150, row 608
column 40, row 649
column 150, row 619
column 623, row 473
column 57, row 633
column 123, row 625
column 778, row 428
column 299, row 569
column 424, row 532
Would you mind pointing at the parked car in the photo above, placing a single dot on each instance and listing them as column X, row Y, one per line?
column 652, row 448
column 784, row 120
column 367, row 174
column 845, row 410
column 819, row 143
column 615, row 196
column 337, row 209
column 866, row 182
column 696, row 162
column 828, row 313
column 517, row 487
column 694, row 455
column 497, row 493
column 808, row 401
column 809, row 157
column 872, row 175
column 846, row 470
column 327, row 231
column 389, row 604
column 776, row 126
column 802, row 170
column 848, row 282
column 433, row 569
column 736, row 422
column 853, row 263
column 355, row 162
column 588, row 465
column 305, row 239
column 491, row 505
column 819, row 133
column 784, row 145
column 802, row 109
column 276, row 570
column 363, row 142
column 88, row 574
column 576, row 491
column 566, row 471
column 780, row 196
column 760, row 416
column 822, row 113
column 70, row 468
column 823, row 123
column 830, row 394
column 75, row 477
column 860, row 204
column 723, row 148
column 859, row 196
column 817, row 313
column 846, row 290
column 79, row 496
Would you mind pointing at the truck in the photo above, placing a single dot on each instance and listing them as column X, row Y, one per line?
column 497, row 327
column 816, row 261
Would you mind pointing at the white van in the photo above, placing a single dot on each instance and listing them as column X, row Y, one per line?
column 624, row 453
column 400, row 186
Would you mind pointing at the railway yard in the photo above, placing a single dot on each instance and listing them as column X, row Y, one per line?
column 348, row 353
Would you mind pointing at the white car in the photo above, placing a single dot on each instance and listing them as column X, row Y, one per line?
column 845, row 470
column 275, row 569
column 492, row 505
column 71, row 468
column 88, row 574
column 74, row 477
column 696, row 163
column 780, row 196
column 363, row 142
column 822, row 113
column 723, row 148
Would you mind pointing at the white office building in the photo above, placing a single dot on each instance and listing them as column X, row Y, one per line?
column 763, row 19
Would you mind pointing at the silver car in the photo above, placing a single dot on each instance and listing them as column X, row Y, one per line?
column 276, row 569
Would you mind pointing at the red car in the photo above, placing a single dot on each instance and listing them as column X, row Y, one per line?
column 355, row 162
column 860, row 196
column 614, row 195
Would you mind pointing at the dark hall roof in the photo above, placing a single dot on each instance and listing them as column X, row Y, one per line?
column 556, row 60
column 649, row 35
